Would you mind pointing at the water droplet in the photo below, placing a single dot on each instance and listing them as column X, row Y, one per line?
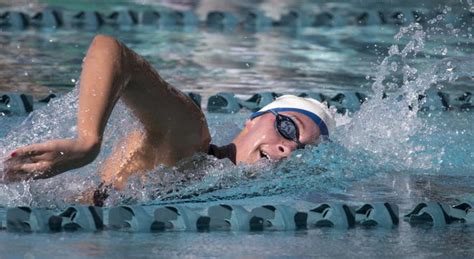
column 394, row 66
column 444, row 52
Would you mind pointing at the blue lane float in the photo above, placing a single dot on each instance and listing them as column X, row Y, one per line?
column 150, row 17
column 253, row 20
column 367, row 18
column 431, row 213
column 220, row 20
column 463, row 102
column 15, row 20
column 256, row 21
column 231, row 217
column 258, row 101
column 461, row 211
column 279, row 217
column 180, row 218
column 14, row 104
column 77, row 218
column 377, row 214
column 168, row 18
column 130, row 218
column 48, row 18
column 431, row 100
column 317, row 96
column 123, row 18
column 87, row 20
column 292, row 19
column 228, row 217
column 223, row 102
column 26, row 219
column 347, row 101
column 322, row 18
column 335, row 215
column 196, row 98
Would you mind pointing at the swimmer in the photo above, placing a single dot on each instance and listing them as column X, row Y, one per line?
column 174, row 127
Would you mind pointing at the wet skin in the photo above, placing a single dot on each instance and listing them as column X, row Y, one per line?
column 173, row 126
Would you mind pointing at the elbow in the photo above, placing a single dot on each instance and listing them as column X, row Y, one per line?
column 108, row 51
column 111, row 53
column 105, row 43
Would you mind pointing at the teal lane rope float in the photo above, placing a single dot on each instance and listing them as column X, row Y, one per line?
column 227, row 217
column 26, row 219
column 331, row 215
column 15, row 104
column 86, row 218
column 250, row 20
column 439, row 214
column 226, row 102
column 377, row 214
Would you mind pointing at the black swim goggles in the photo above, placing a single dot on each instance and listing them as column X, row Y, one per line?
column 287, row 128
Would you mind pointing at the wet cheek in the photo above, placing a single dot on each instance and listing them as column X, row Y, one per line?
column 262, row 138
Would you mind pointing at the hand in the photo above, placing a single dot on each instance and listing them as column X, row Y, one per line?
column 48, row 159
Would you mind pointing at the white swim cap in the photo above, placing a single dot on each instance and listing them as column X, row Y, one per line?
column 312, row 108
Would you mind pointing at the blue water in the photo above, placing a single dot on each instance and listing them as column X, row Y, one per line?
column 383, row 152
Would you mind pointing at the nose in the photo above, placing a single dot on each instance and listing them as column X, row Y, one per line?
column 283, row 150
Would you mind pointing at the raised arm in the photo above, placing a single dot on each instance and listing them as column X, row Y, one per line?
column 112, row 71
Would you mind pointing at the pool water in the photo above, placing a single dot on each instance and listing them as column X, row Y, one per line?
column 386, row 151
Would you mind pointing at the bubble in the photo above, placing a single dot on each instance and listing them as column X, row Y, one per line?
column 444, row 51
column 393, row 50
column 394, row 66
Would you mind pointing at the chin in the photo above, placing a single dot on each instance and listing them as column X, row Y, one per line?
column 249, row 159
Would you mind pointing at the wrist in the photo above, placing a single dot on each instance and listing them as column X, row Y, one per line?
column 90, row 142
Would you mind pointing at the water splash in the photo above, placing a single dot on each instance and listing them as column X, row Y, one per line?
column 58, row 120
column 388, row 126
column 387, row 134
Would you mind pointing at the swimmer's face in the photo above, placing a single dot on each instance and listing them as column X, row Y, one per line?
column 260, row 140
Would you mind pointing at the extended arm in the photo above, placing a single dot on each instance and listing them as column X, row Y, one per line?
column 111, row 71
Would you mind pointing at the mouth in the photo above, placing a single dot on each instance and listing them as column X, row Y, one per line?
column 264, row 155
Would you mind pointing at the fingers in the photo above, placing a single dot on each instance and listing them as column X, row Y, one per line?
column 23, row 171
column 33, row 161
column 15, row 171
column 34, row 150
column 47, row 156
column 34, row 153
column 41, row 166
